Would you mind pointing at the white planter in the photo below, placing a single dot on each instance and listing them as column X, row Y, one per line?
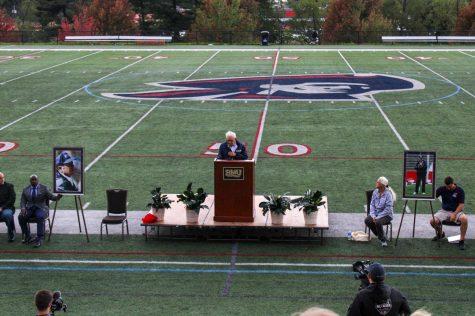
column 310, row 219
column 277, row 219
column 160, row 213
column 192, row 216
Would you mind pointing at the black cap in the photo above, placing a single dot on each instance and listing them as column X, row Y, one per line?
column 376, row 272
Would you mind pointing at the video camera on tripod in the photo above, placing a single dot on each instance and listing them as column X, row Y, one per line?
column 361, row 269
column 58, row 303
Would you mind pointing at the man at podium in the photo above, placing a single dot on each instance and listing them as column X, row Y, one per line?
column 232, row 149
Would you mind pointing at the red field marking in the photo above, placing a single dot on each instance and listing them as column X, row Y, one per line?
column 274, row 150
column 7, row 146
column 9, row 155
column 228, row 254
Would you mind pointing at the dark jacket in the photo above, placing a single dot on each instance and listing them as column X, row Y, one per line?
column 377, row 300
column 7, row 196
column 241, row 153
column 43, row 196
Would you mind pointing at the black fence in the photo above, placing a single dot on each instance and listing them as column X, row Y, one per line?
column 281, row 37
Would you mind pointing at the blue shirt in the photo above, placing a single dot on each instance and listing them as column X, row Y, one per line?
column 450, row 199
column 381, row 206
column 240, row 151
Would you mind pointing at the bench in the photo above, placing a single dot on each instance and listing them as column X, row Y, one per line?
column 428, row 39
column 118, row 38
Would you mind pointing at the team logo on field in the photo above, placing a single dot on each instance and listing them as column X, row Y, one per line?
column 334, row 87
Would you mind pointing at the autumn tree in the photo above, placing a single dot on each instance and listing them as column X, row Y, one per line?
column 224, row 20
column 465, row 24
column 7, row 23
column 308, row 15
column 112, row 17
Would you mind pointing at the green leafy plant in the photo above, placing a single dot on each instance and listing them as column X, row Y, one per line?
column 192, row 200
column 310, row 202
column 275, row 203
column 159, row 200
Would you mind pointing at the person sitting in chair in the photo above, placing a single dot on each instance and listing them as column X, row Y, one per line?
column 381, row 209
column 453, row 202
column 34, row 203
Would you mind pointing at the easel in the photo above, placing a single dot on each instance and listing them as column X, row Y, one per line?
column 78, row 202
column 415, row 213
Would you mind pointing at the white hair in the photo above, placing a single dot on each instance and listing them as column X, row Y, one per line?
column 230, row 134
column 1, row 174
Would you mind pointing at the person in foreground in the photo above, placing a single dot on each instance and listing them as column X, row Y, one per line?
column 232, row 149
column 453, row 202
column 7, row 208
column 43, row 301
column 35, row 203
column 378, row 298
column 381, row 209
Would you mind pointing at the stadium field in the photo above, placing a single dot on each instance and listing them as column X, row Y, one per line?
column 135, row 136
column 77, row 97
column 112, row 277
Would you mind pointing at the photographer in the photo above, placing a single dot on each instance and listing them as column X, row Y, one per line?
column 378, row 298
column 43, row 302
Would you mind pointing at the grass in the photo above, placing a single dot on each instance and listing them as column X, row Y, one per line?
column 352, row 145
column 174, row 287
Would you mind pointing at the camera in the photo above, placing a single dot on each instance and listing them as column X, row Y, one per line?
column 361, row 269
column 58, row 303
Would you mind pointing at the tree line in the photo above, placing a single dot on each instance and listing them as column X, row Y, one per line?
column 330, row 21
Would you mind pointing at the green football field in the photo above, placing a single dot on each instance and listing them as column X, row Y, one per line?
column 54, row 98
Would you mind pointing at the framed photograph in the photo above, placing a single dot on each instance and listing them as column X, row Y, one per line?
column 68, row 171
column 419, row 175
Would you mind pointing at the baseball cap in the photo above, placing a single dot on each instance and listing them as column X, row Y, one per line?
column 376, row 272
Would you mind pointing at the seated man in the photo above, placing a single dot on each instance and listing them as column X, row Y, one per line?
column 453, row 202
column 7, row 208
column 232, row 149
column 34, row 203
column 381, row 209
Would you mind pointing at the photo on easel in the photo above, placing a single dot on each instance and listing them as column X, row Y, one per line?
column 419, row 175
column 68, row 171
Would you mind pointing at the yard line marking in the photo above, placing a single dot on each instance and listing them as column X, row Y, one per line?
column 232, row 269
column 386, row 118
column 461, row 51
column 448, row 80
column 122, row 136
column 41, row 70
column 243, row 271
column 260, row 129
column 401, row 140
column 73, row 92
column 19, row 56
column 139, row 120
column 201, row 66
column 242, row 264
column 86, row 205
column 346, row 61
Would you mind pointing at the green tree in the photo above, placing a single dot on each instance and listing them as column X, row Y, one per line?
column 53, row 11
column 222, row 21
column 308, row 15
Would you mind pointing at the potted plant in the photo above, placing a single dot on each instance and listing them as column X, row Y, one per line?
column 193, row 202
column 160, row 202
column 277, row 205
column 309, row 204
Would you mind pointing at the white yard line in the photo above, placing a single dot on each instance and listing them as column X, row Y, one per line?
column 376, row 103
column 131, row 128
column 436, row 73
column 92, row 163
column 91, row 49
column 73, row 92
column 264, row 113
column 16, row 57
column 243, row 264
column 461, row 51
column 201, row 66
column 51, row 67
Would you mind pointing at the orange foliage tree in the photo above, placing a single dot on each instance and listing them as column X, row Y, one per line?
column 465, row 24
column 112, row 17
column 7, row 23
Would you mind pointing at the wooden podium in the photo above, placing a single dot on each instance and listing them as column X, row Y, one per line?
column 234, row 190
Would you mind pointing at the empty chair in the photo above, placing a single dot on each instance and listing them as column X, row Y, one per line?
column 116, row 210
